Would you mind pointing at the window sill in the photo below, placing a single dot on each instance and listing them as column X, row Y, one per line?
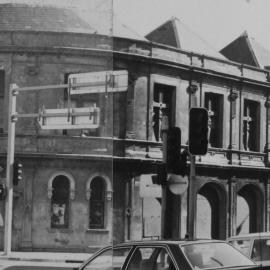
column 97, row 231
column 50, row 230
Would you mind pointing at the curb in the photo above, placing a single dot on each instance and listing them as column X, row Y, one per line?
column 41, row 260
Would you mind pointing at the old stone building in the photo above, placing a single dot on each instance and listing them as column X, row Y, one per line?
column 87, row 188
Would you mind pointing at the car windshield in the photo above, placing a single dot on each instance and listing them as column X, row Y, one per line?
column 214, row 255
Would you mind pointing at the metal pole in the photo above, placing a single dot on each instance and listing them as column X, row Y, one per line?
column 9, row 169
column 192, row 200
column 192, row 196
column 164, row 130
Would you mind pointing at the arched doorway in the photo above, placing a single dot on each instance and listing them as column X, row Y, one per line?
column 203, row 224
column 213, row 199
column 243, row 216
column 254, row 198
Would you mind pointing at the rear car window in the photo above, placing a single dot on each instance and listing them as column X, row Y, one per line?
column 214, row 255
column 261, row 250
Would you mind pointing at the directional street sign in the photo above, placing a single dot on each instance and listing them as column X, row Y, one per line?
column 98, row 82
column 75, row 118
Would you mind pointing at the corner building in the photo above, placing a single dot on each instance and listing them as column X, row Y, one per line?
column 84, row 189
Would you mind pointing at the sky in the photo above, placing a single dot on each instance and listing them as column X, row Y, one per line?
column 217, row 21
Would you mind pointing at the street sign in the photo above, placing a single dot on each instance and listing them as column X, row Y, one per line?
column 178, row 184
column 73, row 118
column 98, row 82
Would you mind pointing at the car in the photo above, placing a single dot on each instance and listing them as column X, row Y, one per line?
column 169, row 255
column 256, row 246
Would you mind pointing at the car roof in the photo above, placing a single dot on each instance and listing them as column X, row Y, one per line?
column 167, row 242
column 250, row 235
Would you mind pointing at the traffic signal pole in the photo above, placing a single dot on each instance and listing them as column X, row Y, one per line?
column 164, row 130
column 9, row 169
column 198, row 144
column 192, row 199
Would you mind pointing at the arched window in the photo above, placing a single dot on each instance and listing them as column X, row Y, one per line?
column 60, row 202
column 97, row 204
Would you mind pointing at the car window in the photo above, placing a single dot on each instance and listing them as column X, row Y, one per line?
column 102, row 261
column 119, row 257
column 108, row 259
column 156, row 258
column 261, row 250
column 214, row 255
column 244, row 245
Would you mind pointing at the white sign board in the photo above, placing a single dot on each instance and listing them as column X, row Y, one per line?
column 177, row 184
column 76, row 118
column 147, row 188
column 98, row 82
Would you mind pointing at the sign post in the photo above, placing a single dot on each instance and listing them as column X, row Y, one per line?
column 64, row 118
column 192, row 199
column 198, row 145
column 9, row 170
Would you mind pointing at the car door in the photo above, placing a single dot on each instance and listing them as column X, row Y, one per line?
column 107, row 259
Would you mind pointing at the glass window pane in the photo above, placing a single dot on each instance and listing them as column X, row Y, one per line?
column 151, row 258
column 119, row 257
column 214, row 255
column 243, row 245
column 60, row 202
column 97, row 204
column 102, row 261
column 261, row 250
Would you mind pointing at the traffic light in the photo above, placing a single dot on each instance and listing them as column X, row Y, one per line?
column 174, row 150
column 198, row 131
column 3, row 192
column 17, row 173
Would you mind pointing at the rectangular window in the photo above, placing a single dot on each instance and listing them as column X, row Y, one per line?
column 162, row 107
column 214, row 104
column 251, row 125
column 145, row 258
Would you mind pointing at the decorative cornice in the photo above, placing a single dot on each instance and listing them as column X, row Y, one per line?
column 192, row 89
column 267, row 104
column 233, row 96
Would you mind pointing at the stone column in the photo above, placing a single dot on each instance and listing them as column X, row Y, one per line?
column 267, row 142
column 233, row 123
column 233, row 131
column 232, row 207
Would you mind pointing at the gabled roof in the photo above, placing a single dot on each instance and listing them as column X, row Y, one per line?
column 124, row 31
column 246, row 50
column 262, row 55
column 113, row 28
column 175, row 33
